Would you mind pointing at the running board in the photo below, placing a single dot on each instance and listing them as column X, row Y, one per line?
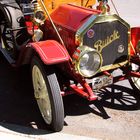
column 6, row 55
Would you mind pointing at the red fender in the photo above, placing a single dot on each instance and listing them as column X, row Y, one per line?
column 135, row 37
column 50, row 51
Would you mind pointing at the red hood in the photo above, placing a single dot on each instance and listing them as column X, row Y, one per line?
column 72, row 17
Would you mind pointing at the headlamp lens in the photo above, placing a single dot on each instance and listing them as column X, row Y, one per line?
column 89, row 63
column 39, row 17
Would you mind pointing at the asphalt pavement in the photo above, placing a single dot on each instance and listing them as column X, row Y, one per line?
column 6, row 134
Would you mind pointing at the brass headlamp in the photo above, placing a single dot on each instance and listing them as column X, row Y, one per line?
column 39, row 14
column 87, row 61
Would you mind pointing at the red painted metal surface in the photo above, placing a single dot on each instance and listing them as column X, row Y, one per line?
column 72, row 17
column 31, row 27
column 84, row 89
column 135, row 74
column 135, row 37
column 68, row 19
column 50, row 51
column 86, row 94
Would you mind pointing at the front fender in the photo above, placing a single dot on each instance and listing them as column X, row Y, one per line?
column 135, row 37
column 50, row 51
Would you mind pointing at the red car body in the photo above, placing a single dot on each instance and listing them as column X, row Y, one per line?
column 74, row 49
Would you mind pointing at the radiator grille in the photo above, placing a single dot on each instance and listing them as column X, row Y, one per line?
column 104, row 32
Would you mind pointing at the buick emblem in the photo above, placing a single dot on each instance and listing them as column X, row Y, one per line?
column 90, row 33
column 100, row 44
column 120, row 49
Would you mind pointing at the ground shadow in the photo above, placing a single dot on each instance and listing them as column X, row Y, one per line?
column 75, row 106
column 115, row 97
column 18, row 107
column 17, row 103
column 120, row 98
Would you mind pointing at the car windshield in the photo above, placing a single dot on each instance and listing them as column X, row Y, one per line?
column 53, row 4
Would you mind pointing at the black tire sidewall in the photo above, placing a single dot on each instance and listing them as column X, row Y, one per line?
column 54, row 97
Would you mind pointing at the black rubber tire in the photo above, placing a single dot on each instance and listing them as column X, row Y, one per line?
column 52, row 86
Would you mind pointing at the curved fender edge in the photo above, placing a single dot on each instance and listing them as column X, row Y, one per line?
column 50, row 51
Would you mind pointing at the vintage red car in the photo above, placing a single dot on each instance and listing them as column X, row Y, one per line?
column 71, row 48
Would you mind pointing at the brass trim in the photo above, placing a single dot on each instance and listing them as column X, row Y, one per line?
column 101, row 19
column 97, row 19
column 84, row 50
column 39, row 21
column 38, row 8
column 80, row 32
column 113, row 66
